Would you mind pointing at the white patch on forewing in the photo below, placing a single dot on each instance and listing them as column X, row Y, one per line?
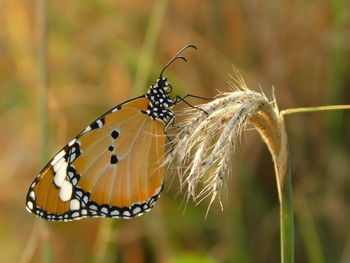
column 66, row 191
column 88, row 128
column 74, row 204
column 115, row 109
column 99, row 123
column 58, row 157
column 60, row 168
column 72, row 142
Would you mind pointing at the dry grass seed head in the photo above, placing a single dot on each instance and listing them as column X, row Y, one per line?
column 206, row 142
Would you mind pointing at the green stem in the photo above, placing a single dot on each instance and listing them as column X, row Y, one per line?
column 287, row 220
column 286, row 190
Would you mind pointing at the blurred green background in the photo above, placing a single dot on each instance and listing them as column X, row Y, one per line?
column 102, row 52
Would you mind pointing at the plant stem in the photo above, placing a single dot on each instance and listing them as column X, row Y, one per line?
column 287, row 220
column 285, row 190
column 315, row 109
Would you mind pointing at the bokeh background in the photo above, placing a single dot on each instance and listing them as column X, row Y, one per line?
column 100, row 53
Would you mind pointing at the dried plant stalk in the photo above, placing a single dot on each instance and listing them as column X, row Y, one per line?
column 207, row 140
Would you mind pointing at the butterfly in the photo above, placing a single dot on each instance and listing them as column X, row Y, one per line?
column 113, row 168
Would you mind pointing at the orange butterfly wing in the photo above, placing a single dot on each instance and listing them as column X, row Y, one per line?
column 111, row 169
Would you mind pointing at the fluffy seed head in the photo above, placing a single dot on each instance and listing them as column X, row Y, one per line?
column 206, row 142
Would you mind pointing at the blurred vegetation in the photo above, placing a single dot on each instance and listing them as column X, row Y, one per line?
column 101, row 53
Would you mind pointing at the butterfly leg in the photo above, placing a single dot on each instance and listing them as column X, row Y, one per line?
column 179, row 99
column 169, row 122
column 196, row 97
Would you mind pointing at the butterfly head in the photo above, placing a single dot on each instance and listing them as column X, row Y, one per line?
column 160, row 104
column 162, row 83
column 158, row 94
column 160, row 101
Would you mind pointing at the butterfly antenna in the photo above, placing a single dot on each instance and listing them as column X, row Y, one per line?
column 177, row 56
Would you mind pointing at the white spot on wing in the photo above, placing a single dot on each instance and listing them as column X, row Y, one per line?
column 74, row 204
column 99, row 123
column 136, row 210
column 72, row 157
column 60, row 169
column 86, row 199
column 88, row 128
column 115, row 213
column 70, row 174
column 75, row 214
column 58, row 157
column 126, row 213
column 32, row 195
column 74, row 181
column 93, row 207
column 66, row 191
column 30, row 205
column 72, row 142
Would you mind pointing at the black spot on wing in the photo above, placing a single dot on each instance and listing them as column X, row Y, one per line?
column 111, row 148
column 114, row 134
column 114, row 159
